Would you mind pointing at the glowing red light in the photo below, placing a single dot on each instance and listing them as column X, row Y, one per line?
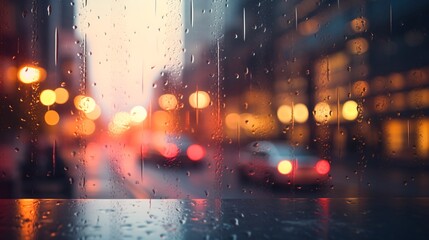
column 170, row 150
column 323, row 167
column 195, row 152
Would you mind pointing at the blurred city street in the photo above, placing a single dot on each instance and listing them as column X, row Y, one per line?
column 222, row 119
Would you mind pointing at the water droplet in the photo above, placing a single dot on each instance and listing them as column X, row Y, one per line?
column 49, row 9
column 74, row 27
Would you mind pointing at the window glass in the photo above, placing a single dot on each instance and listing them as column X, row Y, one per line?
column 168, row 99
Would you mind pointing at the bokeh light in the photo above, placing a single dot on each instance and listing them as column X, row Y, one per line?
column 322, row 112
column 52, row 117
column 199, row 99
column 47, row 97
column 167, row 101
column 232, row 120
column 358, row 46
column 62, row 95
column 284, row 167
column 350, row 110
column 359, row 24
column 86, row 127
column 86, row 104
column 300, row 113
column 30, row 74
column 94, row 114
column 138, row 114
column 122, row 120
column 284, row 113
column 195, row 152
column 169, row 150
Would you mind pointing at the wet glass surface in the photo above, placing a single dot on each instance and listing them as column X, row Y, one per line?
column 312, row 218
column 209, row 109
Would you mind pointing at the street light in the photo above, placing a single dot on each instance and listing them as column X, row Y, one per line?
column 199, row 99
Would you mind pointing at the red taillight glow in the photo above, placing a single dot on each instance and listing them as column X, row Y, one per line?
column 195, row 152
column 170, row 150
column 285, row 167
column 323, row 167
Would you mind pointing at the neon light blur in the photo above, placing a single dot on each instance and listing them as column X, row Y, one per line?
column 195, row 152
column 284, row 167
column 323, row 167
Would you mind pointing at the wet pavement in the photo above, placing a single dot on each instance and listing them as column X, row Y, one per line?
column 287, row 218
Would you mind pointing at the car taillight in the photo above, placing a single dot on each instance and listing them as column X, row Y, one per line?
column 285, row 167
column 323, row 167
column 170, row 150
column 195, row 152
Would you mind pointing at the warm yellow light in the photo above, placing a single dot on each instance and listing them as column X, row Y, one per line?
column 62, row 95
column 86, row 104
column 359, row 24
column 122, row 120
column 52, row 117
column 394, row 136
column 31, row 74
column 423, row 138
column 115, row 129
column 284, row 167
column 76, row 101
column 232, row 120
column 199, row 99
column 284, row 113
column 322, row 112
column 94, row 114
column 28, row 209
column 138, row 114
column 167, row 101
column 47, row 97
column 300, row 113
column 86, row 127
column 358, row 46
column 350, row 110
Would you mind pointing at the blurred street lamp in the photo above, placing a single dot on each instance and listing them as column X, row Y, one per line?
column 350, row 110
column 167, row 101
column 322, row 112
column 62, row 95
column 138, row 114
column 30, row 74
column 52, row 117
column 199, row 99
column 47, row 97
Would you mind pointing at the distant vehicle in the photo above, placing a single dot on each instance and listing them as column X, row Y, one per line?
column 281, row 164
column 175, row 150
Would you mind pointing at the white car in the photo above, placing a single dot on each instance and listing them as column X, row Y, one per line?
column 279, row 163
